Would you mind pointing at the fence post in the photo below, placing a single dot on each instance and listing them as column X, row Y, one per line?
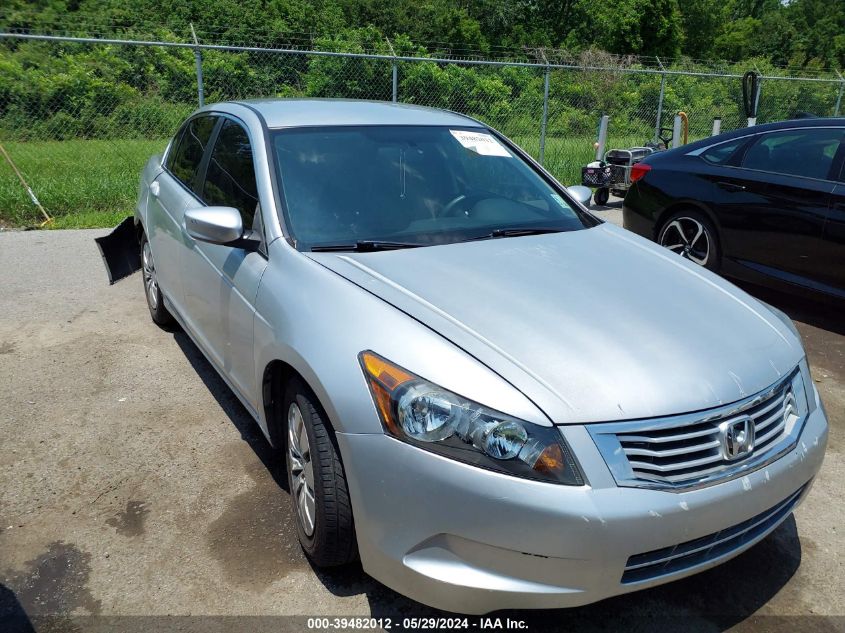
column 198, row 61
column 545, row 120
column 395, row 72
column 200, row 87
column 839, row 97
column 660, row 102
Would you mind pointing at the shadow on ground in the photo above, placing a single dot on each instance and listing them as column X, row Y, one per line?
column 820, row 313
column 13, row 617
column 232, row 407
column 613, row 203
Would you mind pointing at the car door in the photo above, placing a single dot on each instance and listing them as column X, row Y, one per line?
column 221, row 281
column 788, row 174
column 831, row 270
column 170, row 193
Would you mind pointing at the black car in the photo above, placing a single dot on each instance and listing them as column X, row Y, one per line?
column 764, row 204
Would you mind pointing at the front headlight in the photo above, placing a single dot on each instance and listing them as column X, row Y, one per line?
column 799, row 404
column 427, row 416
column 803, row 382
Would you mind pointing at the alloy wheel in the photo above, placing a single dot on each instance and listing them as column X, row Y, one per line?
column 150, row 280
column 688, row 238
column 301, row 469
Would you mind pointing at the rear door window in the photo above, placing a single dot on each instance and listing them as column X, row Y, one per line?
column 808, row 153
column 188, row 153
column 230, row 178
column 721, row 154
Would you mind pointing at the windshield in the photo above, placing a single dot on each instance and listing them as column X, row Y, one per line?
column 406, row 186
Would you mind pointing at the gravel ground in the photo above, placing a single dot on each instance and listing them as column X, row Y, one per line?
column 134, row 483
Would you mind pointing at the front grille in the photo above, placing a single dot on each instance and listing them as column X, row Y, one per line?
column 690, row 452
column 692, row 449
column 670, row 560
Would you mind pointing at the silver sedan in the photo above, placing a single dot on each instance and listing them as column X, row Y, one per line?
column 488, row 395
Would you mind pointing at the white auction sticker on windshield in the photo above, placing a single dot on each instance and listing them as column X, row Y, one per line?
column 480, row 143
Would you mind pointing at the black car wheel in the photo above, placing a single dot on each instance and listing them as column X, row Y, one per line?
column 692, row 236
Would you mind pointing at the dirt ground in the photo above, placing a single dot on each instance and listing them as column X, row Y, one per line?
column 132, row 483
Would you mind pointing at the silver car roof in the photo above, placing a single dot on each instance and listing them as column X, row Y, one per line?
column 280, row 113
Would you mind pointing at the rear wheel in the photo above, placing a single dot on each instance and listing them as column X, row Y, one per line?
column 692, row 235
column 152, row 291
column 317, row 482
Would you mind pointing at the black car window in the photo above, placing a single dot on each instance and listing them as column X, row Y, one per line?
column 174, row 146
column 188, row 153
column 722, row 153
column 230, row 179
column 807, row 152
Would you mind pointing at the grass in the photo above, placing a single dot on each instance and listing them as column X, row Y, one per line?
column 93, row 183
column 81, row 183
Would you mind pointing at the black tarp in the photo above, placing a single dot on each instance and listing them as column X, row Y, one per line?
column 120, row 250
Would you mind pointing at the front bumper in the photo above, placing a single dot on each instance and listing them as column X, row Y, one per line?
column 467, row 540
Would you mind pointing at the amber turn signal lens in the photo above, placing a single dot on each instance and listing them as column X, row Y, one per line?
column 387, row 374
column 384, row 378
column 550, row 461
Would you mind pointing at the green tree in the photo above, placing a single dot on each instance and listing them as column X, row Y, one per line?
column 643, row 27
column 701, row 21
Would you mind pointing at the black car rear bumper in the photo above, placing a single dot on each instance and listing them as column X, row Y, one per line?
column 637, row 223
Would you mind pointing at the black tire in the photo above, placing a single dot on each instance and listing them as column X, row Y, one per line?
column 687, row 222
column 332, row 539
column 601, row 196
column 152, row 291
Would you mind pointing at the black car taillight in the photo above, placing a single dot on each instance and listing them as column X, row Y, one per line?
column 638, row 170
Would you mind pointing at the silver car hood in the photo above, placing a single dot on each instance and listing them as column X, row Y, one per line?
column 591, row 325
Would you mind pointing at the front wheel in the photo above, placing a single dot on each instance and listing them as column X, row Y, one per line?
column 317, row 482
column 692, row 236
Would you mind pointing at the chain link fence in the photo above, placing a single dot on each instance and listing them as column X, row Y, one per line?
column 79, row 117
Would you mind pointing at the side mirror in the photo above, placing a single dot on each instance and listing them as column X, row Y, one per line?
column 581, row 193
column 216, row 225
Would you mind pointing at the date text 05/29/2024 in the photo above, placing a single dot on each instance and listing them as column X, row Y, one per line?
column 423, row 623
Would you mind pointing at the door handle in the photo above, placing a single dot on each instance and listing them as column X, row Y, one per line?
column 155, row 189
column 731, row 186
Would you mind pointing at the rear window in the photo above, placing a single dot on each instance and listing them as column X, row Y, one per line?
column 721, row 154
column 185, row 160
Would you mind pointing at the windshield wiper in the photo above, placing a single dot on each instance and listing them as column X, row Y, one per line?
column 516, row 232
column 364, row 246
